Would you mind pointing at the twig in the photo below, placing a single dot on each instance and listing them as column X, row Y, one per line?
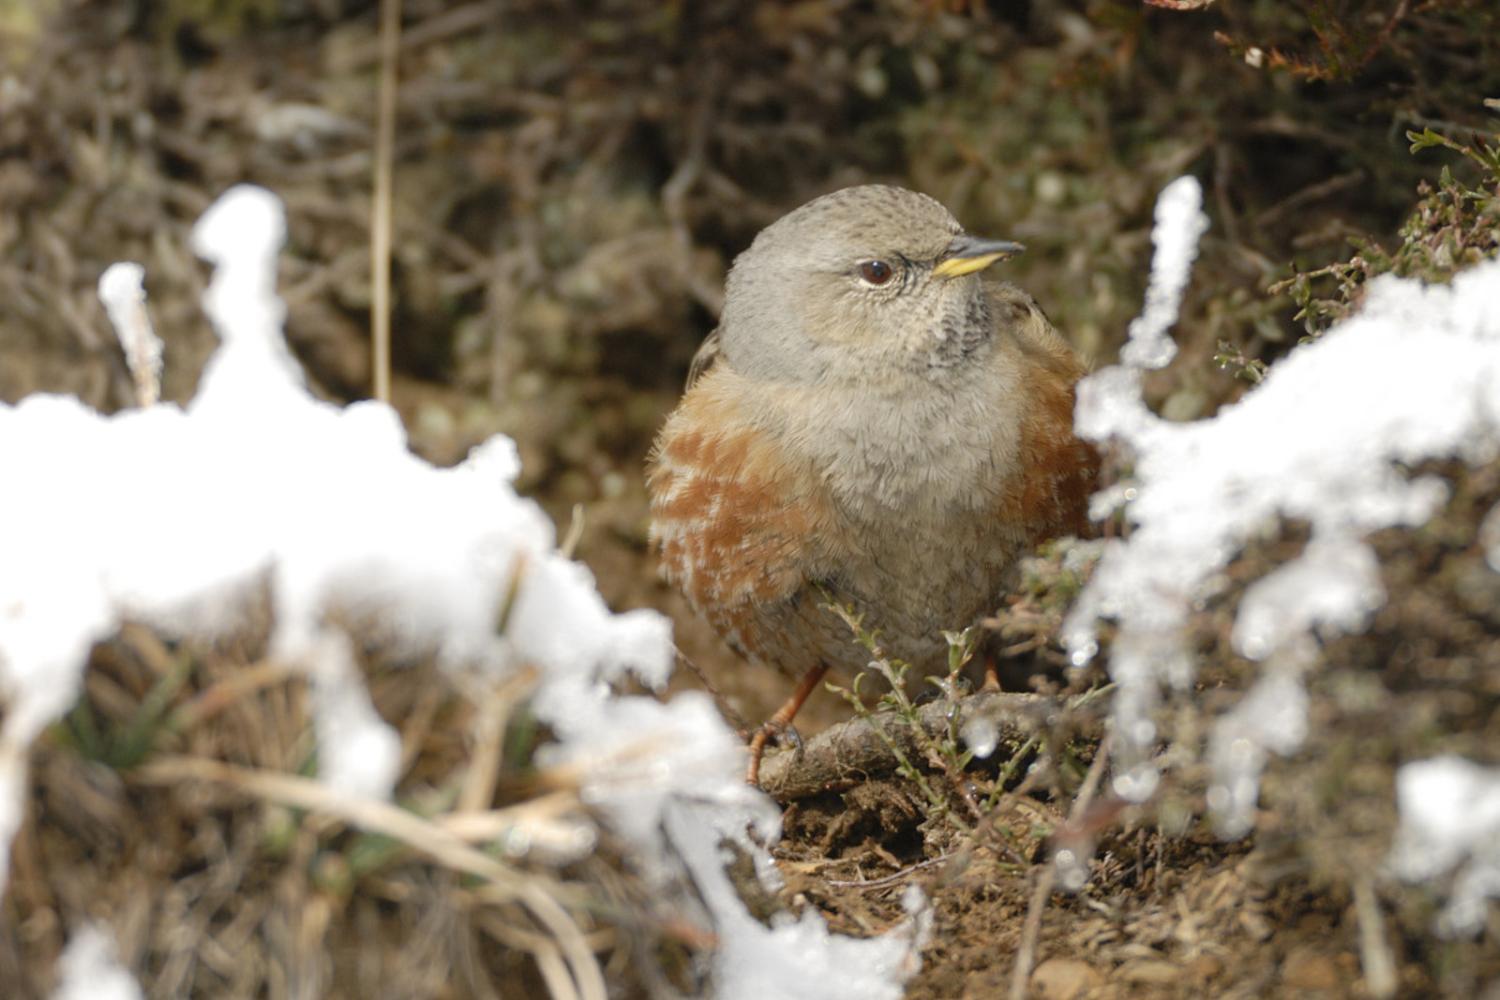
column 569, row 546
column 1374, row 952
column 494, row 707
column 732, row 715
column 1384, row 34
column 892, row 879
column 1091, row 781
column 489, row 824
column 214, row 699
column 438, row 28
column 1311, row 193
column 124, row 297
column 380, row 235
column 675, row 191
column 1031, row 930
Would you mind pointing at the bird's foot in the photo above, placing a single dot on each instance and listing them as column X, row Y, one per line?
column 783, row 733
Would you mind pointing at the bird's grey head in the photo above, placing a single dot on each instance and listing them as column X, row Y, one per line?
column 858, row 284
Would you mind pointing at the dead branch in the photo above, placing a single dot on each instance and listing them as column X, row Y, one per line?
column 851, row 752
column 1046, row 880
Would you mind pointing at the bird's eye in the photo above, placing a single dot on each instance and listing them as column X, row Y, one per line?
column 876, row 272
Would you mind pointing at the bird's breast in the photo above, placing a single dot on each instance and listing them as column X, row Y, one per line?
column 919, row 450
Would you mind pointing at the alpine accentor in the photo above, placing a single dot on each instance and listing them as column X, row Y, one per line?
column 871, row 424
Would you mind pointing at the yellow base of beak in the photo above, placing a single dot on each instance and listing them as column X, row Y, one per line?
column 955, row 267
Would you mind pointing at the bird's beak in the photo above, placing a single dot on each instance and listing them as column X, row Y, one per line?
column 967, row 254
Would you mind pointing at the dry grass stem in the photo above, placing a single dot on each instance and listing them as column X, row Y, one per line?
column 1031, row 929
column 483, row 825
column 576, row 524
column 240, row 684
column 380, row 235
column 538, row 893
column 483, row 771
column 1374, row 952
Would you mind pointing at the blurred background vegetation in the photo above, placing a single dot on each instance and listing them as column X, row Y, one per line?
column 572, row 178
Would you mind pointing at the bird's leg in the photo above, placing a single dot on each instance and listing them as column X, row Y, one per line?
column 991, row 671
column 782, row 719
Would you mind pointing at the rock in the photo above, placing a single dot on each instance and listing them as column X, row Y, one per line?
column 1308, row 969
column 1064, row 979
column 1204, row 969
column 1150, row 972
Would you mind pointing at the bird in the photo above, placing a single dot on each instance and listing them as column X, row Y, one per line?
column 872, row 424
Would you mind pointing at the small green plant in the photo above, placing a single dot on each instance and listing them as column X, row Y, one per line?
column 938, row 765
column 125, row 743
column 1231, row 358
column 896, row 701
column 1455, row 224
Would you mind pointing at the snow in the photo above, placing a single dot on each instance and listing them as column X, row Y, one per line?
column 89, row 970
column 794, row 957
column 256, row 486
column 1414, row 375
column 122, row 290
column 1450, row 823
column 981, row 735
column 1180, row 223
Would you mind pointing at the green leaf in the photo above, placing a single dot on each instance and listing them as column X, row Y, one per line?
column 1425, row 139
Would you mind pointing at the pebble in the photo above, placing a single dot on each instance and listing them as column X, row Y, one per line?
column 1150, row 972
column 1064, row 979
column 1204, row 969
column 1307, row 969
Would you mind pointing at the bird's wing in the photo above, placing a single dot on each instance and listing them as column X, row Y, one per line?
column 730, row 515
column 1059, row 472
column 708, row 353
